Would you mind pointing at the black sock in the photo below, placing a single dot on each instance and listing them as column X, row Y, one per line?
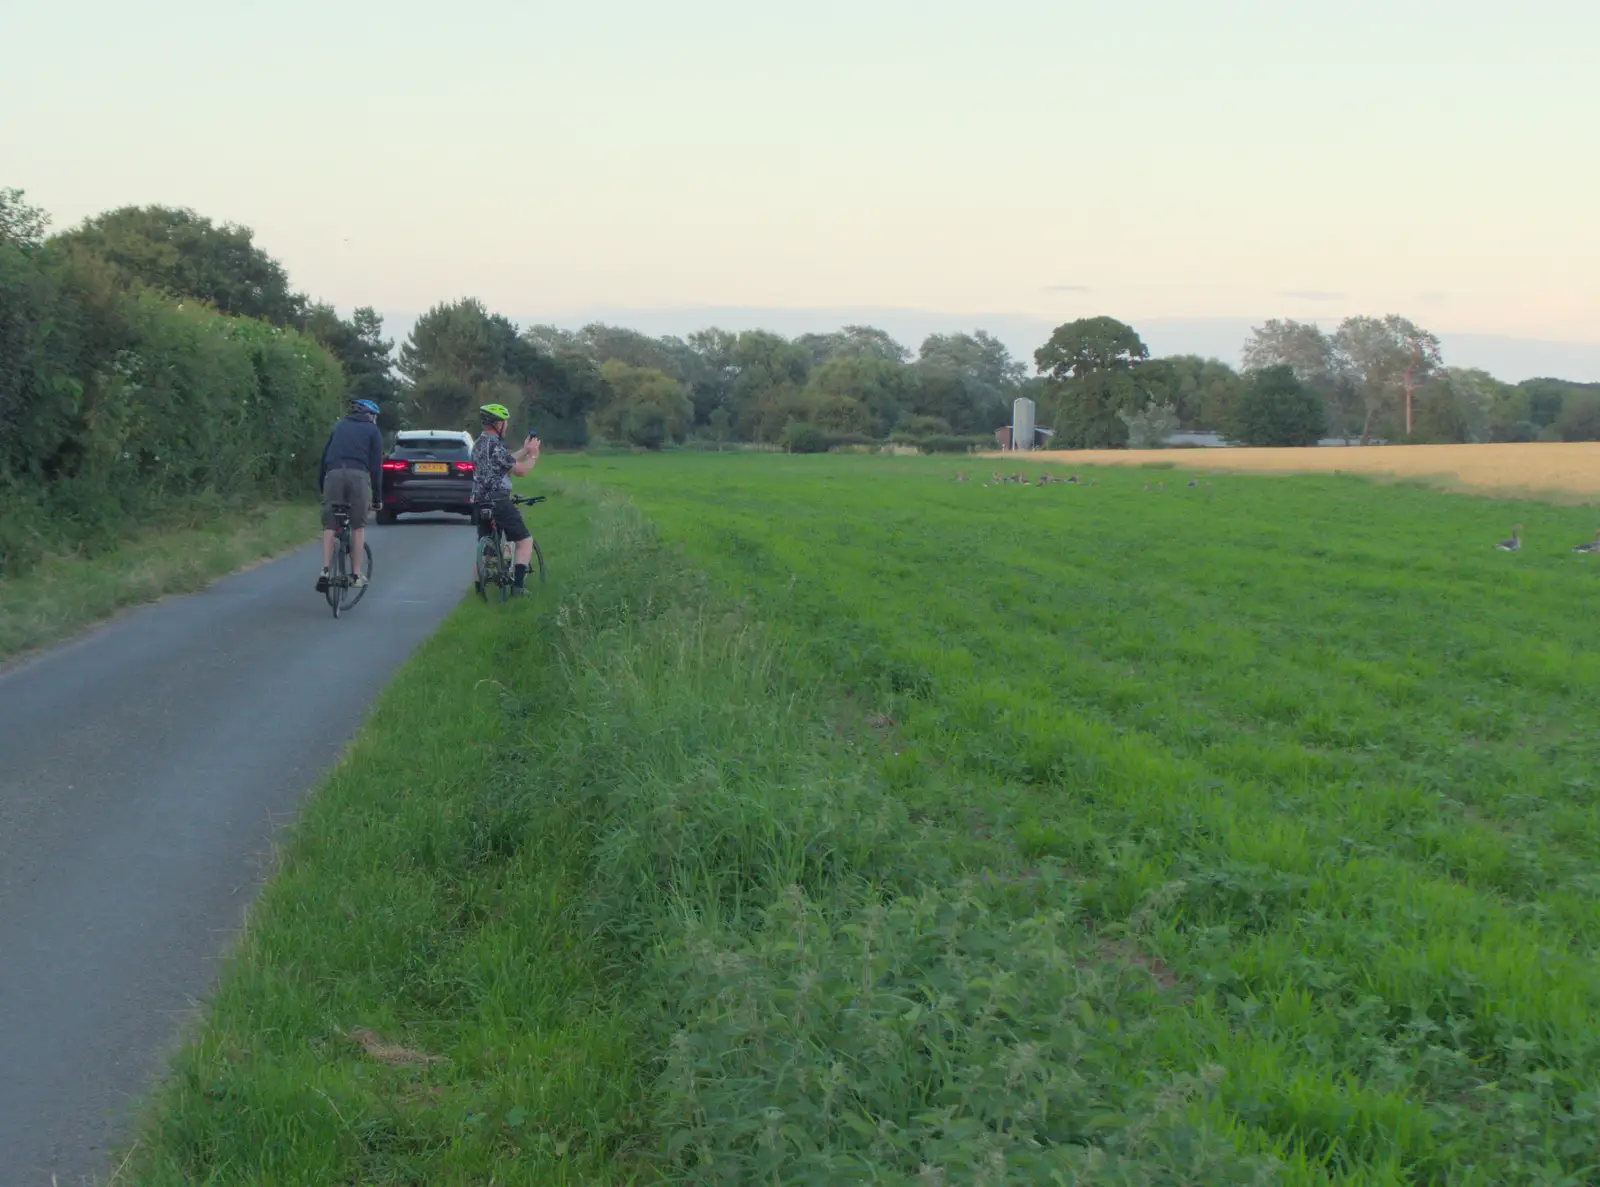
column 522, row 571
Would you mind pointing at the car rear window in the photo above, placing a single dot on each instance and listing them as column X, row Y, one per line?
column 444, row 449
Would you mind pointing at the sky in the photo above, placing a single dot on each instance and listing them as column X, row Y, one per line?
column 1161, row 161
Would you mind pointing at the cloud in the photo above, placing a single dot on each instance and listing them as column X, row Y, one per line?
column 1066, row 288
column 1313, row 295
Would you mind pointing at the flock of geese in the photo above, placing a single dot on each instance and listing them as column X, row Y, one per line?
column 997, row 479
column 1515, row 543
column 1022, row 479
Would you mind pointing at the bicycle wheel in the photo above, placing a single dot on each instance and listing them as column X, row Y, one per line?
column 354, row 594
column 507, row 561
column 485, row 566
column 537, row 562
column 338, row 574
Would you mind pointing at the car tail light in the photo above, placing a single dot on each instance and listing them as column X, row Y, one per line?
column 394, row 465
column 464, row 467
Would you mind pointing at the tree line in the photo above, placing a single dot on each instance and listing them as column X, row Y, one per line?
column 154, row 363
column 1095, row 384
column 607, row 383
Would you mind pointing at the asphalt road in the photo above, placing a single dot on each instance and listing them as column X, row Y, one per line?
column 144, row 769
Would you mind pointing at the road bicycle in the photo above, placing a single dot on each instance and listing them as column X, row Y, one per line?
column 343, row 593
column 496, row 559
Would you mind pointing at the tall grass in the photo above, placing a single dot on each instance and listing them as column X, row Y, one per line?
column 1316, row 748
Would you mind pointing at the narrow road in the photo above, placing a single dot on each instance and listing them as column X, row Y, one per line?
column 144, row 769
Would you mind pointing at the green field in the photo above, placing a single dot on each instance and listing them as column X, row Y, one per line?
column 831, row 821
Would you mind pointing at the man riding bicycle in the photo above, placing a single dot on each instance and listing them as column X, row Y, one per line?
column 493, row 465
column 352, row 474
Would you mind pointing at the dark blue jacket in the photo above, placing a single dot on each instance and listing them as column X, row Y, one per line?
column 355, row 444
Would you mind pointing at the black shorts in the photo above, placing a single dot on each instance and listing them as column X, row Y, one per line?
column 507, row 514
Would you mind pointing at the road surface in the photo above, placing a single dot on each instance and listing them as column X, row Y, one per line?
column 144, row 769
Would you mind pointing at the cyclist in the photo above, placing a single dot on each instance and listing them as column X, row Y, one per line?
column 493, row 464
column 352, row 474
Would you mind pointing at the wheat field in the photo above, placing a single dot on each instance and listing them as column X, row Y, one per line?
column 1563, row 471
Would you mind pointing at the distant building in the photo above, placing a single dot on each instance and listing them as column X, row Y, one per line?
column 1022, row 432
column 1194, row 438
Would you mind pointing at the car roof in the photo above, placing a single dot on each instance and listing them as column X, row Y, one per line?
column 456, row 433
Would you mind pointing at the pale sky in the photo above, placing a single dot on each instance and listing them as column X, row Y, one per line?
column 1148, row 159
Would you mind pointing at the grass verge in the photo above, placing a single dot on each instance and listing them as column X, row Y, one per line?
column 63, row 594
column 612, row 888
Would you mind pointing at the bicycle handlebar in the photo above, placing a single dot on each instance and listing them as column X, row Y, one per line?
column 525, row 501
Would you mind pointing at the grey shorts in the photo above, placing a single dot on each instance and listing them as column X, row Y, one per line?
column 352, row 487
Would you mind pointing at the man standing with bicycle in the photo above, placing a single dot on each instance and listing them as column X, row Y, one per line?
column 352, row 474
column 493, row 466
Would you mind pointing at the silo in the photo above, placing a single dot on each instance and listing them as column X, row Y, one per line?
column 1022, row 423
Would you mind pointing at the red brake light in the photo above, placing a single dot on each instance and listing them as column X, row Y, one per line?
column 464, row 467
column 394, row 465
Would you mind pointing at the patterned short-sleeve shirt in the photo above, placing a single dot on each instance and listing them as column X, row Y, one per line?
column 491, row 468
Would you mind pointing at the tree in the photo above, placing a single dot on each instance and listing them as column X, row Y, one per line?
column 969, row 379
column 1092, row 344
column 1547, row 398
column 550, row 339
column 716, row 369
column 646, row 407
column 1458, row 405
column 561, row 390
column 851, row 342
column 1311, row 355
column 1387, row 358
column 1276, row 409
column 878, row 386
column 1151, row 427
column 21, row 224
column 1201, row 391
column 1300, row 346
column 1579, row 419
column 979, row 357
column 1090, row 365
column 184, row 254
column 605, row 344
column 460, row 339
column 769, row 367
column 364, row 356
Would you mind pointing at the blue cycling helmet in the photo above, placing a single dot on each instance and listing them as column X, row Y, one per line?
column 366, row 406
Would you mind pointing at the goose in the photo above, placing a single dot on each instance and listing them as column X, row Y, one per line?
column 1592, row 546
column 997, row 479
column 960, row 477
column 1193, row 484
column 1147, row 486
column 1515, row 543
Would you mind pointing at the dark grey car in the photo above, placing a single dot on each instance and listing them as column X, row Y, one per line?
column 427, row 470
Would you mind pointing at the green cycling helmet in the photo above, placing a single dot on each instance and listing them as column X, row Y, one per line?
column 491, row 413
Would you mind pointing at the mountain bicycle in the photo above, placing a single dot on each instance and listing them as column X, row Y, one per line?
column 496, row 559
column 343, row 593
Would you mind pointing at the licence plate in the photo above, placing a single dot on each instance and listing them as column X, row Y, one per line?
column 432, row 468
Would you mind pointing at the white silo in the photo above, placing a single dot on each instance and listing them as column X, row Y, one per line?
column 1022, row 423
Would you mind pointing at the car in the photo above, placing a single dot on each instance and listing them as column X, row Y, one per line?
column 427, row 470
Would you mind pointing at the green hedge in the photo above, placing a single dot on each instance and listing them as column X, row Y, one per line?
column 120, row 409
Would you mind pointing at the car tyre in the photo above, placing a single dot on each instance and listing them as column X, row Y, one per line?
column 387, row 517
